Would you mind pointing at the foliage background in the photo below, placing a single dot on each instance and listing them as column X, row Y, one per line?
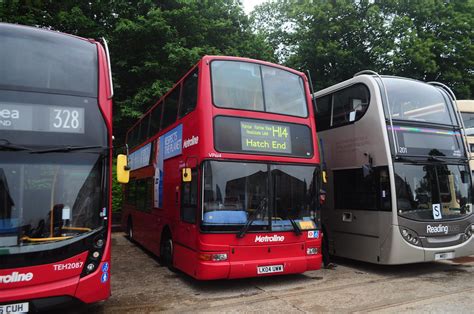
column 153, row 43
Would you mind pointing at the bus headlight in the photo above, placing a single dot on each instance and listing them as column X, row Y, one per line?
column 411, row 236
column 311, row 251
column 468, row 232
column 220, row 257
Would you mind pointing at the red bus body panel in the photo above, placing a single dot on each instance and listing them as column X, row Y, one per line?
column 189, row 242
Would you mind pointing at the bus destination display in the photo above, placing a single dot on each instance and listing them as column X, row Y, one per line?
column 265, row 137
column 40, row 118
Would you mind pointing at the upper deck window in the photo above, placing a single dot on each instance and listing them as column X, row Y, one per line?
column 468, row 119
column 342, row 107
column 44, row 61
column 251, row 86
column 417, row 101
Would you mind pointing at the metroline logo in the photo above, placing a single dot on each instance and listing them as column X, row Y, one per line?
column 273, row 238
column 16, row 277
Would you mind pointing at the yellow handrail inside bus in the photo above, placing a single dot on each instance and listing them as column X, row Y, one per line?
column 25, row 238
column 77, row 228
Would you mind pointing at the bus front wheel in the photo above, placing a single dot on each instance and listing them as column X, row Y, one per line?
column 167, row 251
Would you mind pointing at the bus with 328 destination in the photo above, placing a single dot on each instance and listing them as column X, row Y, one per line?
column 399, row 189
column 225, row 174
column 55, row 162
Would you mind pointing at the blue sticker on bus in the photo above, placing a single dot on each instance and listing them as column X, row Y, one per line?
column 104, row 277
column 172, row 142
column 140, row 158
column 105, row 267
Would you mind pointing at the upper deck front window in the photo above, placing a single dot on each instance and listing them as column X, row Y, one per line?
column 417, row 101
column 251, row 86
column 49, row 62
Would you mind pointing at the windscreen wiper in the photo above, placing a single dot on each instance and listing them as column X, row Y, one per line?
column 434, row 158
column 262, row 206
column 7, row 145
column 65, row 149
column 295, row 226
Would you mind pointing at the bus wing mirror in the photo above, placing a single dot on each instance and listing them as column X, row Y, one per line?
column 187, row 177
column 123, row 170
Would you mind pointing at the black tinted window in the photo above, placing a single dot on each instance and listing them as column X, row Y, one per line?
column 189, row 198
column 362, row 188
column 342, row 107
column 144, row 129
column 189, row 96
column 349, row 104
column 323, row 113
column 47, row 61
column 171, row 108
column 155, row 120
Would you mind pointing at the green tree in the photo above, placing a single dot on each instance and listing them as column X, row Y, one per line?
column 426, row 40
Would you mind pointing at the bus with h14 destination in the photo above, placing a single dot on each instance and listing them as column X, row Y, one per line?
column 55, row 162
column 225, row 174
column 399, row 188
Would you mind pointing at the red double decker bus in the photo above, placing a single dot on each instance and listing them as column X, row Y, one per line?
column 225, row 173
column 55, row 162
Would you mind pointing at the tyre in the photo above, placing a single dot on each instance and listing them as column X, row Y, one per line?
column 167, row 251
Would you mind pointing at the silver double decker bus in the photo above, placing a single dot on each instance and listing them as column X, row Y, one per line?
column 399, row 189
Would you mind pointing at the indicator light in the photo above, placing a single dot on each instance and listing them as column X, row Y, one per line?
column 95, row 254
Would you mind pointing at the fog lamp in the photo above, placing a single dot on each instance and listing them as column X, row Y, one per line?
column 90, row 267
column 99, row 243
column 311, row 251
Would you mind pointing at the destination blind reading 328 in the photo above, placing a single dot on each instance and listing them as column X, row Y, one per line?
column 41, row 118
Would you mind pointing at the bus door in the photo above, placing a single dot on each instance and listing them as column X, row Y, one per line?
column 360, row 196
column 188, row 205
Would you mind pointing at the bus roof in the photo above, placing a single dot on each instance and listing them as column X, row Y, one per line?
column 23, row 30
column 209, row 58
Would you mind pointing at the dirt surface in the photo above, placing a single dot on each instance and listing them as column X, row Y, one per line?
column 141, row 285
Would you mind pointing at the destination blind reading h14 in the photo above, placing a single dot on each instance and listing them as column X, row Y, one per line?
column 265, row 137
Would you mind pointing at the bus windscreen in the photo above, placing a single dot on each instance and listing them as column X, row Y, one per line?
column 417, row 101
